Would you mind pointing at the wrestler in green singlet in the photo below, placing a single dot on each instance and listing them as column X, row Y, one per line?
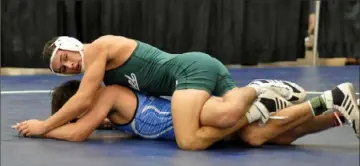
column 161, row 73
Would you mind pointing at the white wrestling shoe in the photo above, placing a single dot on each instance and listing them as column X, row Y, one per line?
column 267, row 103
column 288, row 90
column 342, row 99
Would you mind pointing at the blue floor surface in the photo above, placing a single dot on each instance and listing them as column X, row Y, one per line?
column 337, row 146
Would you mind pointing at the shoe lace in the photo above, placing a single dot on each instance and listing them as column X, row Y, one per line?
column 283, row 89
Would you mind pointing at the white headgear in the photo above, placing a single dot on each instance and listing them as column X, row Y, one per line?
column 69, row 44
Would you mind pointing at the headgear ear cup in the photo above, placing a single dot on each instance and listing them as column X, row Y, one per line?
column 69, row 44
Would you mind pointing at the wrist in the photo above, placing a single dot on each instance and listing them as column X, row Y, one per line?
column 47, row 126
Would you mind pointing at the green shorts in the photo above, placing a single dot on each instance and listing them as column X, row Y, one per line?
column 202, row 72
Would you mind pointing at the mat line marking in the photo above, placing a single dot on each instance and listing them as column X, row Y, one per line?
column 48, row 91
column 25, row 92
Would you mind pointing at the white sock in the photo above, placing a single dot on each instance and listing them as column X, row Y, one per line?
column 253, row 114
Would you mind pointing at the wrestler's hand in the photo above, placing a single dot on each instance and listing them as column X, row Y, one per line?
column 30, row 127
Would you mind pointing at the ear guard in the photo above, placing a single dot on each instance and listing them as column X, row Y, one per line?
column 69, row 44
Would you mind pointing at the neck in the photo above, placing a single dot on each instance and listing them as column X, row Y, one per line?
column 83, row 56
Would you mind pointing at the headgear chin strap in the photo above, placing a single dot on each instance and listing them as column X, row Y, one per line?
column 69, row 44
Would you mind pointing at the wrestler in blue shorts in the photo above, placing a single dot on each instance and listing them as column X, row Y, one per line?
column 150, row 117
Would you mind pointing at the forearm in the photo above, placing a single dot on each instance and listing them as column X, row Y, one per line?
column 66, row 132
column 71, row 110
column 72, row 131
column 83, row 127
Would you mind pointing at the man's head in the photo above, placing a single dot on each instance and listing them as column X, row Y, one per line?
column 64, row 55
column 62, row 93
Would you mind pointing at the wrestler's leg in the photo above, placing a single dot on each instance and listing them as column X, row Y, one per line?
column 340, row 98
column 197, row 82
column 316, row 124
column 295, row 115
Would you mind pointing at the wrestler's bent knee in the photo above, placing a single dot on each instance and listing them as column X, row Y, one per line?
column 252, row 137
column 189, row 144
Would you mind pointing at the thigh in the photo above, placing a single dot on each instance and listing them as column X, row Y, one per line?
column 224, row 80
column 185, row 108
column 224, row 84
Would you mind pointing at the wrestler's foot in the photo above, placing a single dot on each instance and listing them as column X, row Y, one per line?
column 267, row 103
column 342, row 99
column 288, row 90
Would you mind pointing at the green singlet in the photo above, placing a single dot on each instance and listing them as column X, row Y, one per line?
column 155, row 72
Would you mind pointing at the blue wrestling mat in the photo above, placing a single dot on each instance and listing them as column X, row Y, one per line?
column 26, row 97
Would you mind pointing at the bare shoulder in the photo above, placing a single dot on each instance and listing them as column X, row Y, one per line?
column 113, row 46
column 110, row 40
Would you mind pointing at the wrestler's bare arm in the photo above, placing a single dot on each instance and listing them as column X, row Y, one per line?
column 82, row 128
column 100, row 52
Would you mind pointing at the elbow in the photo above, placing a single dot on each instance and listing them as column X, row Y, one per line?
column 77, row 138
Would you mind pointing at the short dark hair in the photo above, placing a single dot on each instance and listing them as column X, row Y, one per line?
column 48, row 50
column 62, row 93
